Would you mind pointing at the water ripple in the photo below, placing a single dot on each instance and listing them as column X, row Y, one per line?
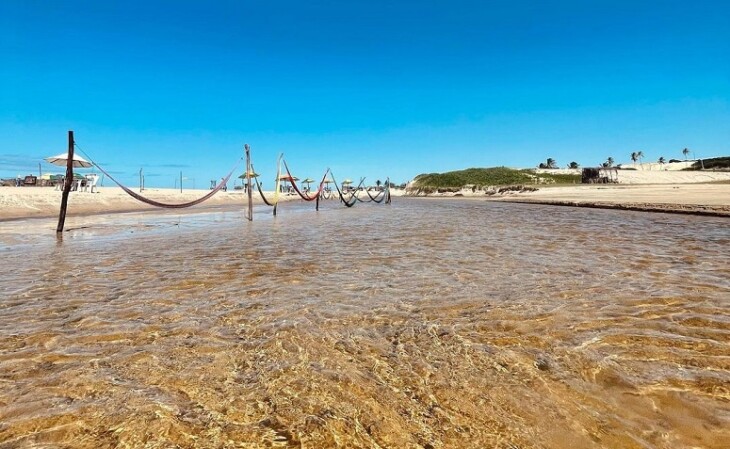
column 428, row 323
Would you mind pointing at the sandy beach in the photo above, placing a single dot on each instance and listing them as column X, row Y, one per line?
column 705, row 199
column 44, row 202
column 705, row 193
column 646, row 190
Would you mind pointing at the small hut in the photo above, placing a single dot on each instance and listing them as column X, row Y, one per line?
column 599, row 175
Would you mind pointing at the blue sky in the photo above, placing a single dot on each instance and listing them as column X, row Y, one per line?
column 367, row 88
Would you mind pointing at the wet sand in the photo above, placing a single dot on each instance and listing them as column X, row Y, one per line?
column 707, row 199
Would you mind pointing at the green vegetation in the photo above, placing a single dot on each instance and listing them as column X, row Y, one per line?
column 546, row 178
column 494, row 176
column 550, row 163
column 715, row 163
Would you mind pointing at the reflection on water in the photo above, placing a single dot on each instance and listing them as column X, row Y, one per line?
column 427, row 323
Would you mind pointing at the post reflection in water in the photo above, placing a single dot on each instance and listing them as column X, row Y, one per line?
column 429, row 323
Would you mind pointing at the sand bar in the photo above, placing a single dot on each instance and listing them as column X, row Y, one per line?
column 701, row 199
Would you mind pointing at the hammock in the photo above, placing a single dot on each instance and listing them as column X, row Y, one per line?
column 353, row 197
column 306, row 197
column 261, row 191
column 167, row 205
column 375, row 198
column 275, row 202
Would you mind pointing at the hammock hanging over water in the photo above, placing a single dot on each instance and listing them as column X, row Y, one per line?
column 353, row 196
column 261, row 191
column 306, row 197
column 151, row 202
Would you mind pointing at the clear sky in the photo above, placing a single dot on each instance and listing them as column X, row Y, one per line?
column 369, row 88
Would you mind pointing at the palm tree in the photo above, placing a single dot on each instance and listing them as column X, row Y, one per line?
column 640, row 156
column 609, row 162
column 573, row 165
column 685, row 152
column 377, row 183
column 634, row 157
column 550, row 162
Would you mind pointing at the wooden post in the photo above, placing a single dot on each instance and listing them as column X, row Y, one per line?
column 141, row 187
column 248, row 182
column 387, row 190
column 181, row 182
column 67, row 183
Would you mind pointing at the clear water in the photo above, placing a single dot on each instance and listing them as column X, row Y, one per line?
column 427, row 323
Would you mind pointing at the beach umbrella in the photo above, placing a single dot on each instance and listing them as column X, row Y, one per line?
column 308, row 181
column 62, row 159
column 347, row 181
column 287, row 178
column 249, row 175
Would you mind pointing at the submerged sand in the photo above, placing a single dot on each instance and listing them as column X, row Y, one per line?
column 426, row 324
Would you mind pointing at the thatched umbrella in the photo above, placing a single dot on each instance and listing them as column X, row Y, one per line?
column 287, row 178
column 249, row 175
column 246, row 176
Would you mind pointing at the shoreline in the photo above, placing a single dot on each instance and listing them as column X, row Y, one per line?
column 700, row 210
column 709, row 199
column 704, row 199
column 21, row 203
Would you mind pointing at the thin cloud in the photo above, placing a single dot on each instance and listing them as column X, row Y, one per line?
column 171, row 165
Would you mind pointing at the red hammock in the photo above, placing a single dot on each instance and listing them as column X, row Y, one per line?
column 304, row 196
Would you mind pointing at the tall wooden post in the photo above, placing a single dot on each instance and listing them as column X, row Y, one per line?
column 67, row 183
column 248, row 181
column 180, row 182
column 387, row 190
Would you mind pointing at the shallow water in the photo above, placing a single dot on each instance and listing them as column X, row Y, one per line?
column 427, row 323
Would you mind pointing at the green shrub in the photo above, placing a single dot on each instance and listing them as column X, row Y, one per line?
column 713, row 163
column 494, row 176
